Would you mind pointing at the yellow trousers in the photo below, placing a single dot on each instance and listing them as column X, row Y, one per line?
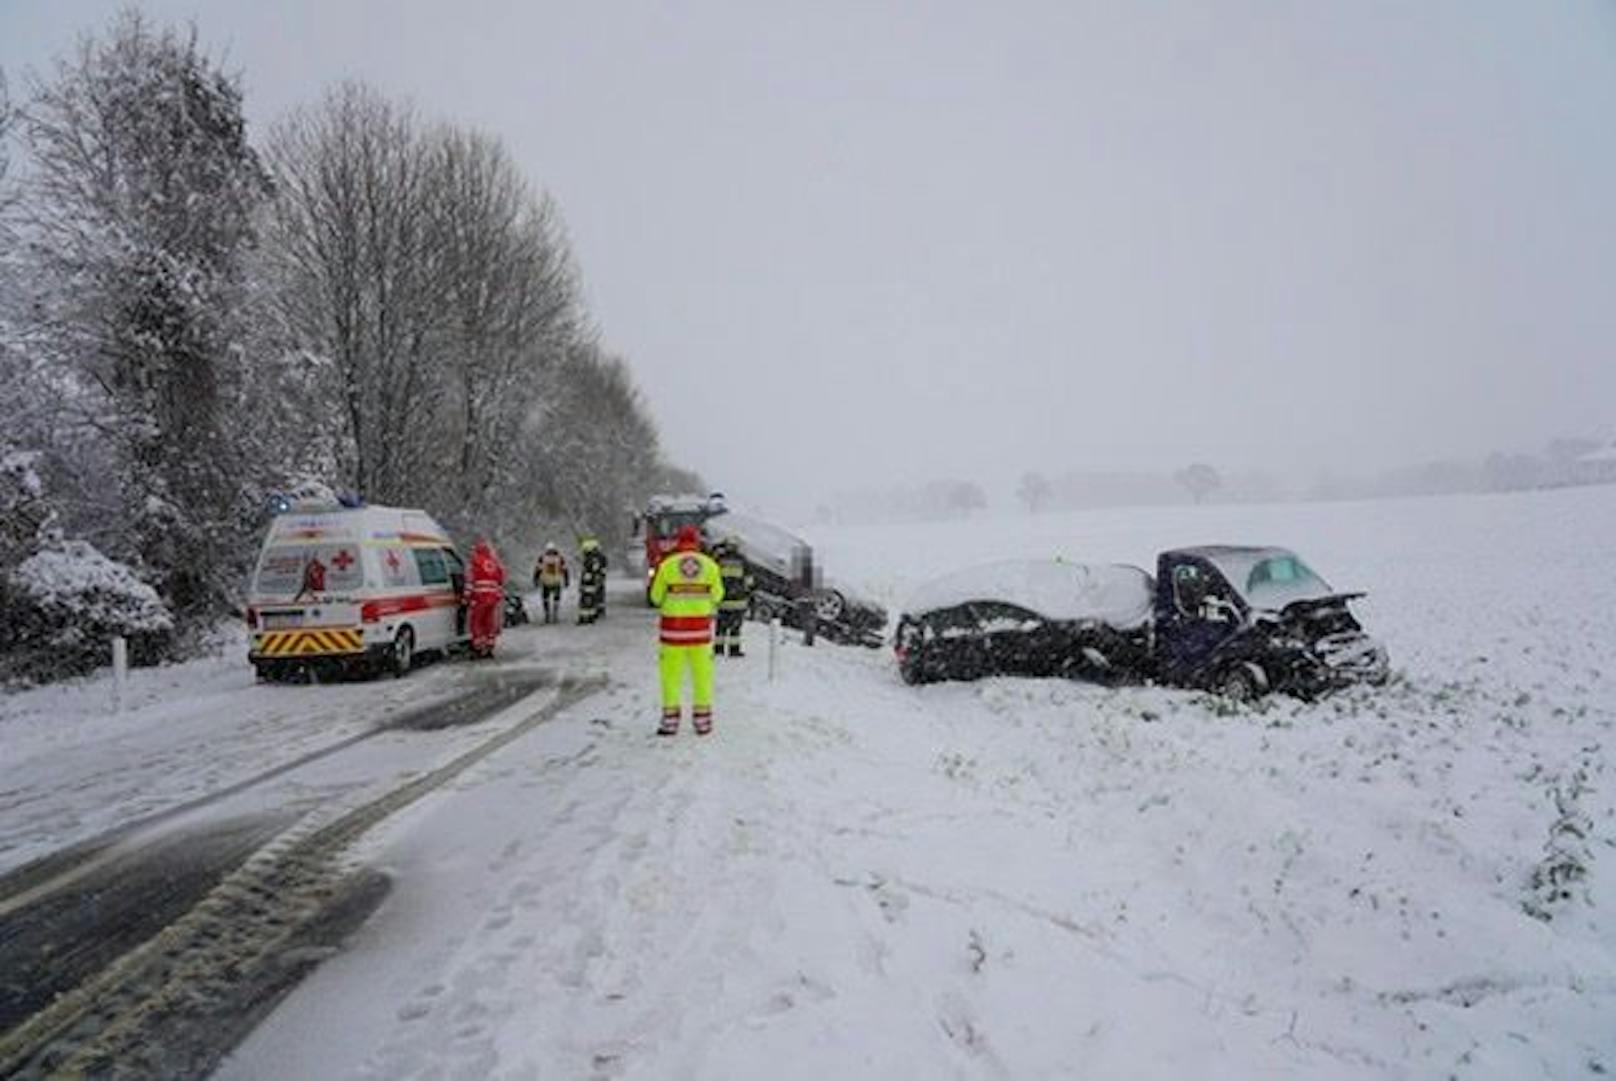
column 672, row 661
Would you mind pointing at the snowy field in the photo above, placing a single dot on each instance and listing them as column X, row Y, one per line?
column 1011, row 878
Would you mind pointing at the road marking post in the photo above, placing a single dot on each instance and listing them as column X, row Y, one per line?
column 120, row 671
column 774, row 643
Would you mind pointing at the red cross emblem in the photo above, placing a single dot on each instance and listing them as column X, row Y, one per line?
column 392, row 560
column 690, row 566
column 342, row 560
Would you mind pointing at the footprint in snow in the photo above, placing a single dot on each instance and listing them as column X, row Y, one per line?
column 956, row 1019
column 414, row 1011
column 802, row 991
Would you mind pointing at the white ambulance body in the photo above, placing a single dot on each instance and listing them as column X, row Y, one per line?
column 337, row 586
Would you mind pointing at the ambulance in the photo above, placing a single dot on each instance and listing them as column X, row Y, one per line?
column 340, row 588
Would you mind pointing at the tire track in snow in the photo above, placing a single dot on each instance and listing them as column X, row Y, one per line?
column 59, row 870
column 176, row 1003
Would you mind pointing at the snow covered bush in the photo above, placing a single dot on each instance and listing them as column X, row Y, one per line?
column 63, row 605
column 1560, row 877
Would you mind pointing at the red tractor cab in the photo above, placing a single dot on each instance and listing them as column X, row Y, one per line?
column 664, row 516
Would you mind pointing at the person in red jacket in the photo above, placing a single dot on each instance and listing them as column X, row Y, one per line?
column 485, row 597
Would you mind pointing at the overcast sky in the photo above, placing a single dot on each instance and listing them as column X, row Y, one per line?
column 847, row 244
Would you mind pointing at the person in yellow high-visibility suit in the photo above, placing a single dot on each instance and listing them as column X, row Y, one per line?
column 687, row 590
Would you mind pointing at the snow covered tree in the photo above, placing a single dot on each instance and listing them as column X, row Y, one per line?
column 137, row 214
column 598, row 447
column 965, row 496
column 512, row 314
column 358, row 283
column 1034, row 491
column 1199, row 480
column 437, row 291
column 675, row 479
column 8, row 192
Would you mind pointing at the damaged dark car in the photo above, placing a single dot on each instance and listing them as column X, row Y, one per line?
column 1245, row 621
column 1028, row 617
column 1240, row 621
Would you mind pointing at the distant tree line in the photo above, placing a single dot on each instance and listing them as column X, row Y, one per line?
column 191, row 322
column 929, row 501
column 1564, row 462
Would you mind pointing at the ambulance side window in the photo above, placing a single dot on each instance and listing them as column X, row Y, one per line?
column 433, row 570
column 457, row 570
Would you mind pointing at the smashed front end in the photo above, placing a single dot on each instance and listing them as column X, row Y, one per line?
column 1317, row 646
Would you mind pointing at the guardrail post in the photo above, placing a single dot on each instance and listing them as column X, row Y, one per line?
column 774, row 643
column 808, row 616
column 120, row 671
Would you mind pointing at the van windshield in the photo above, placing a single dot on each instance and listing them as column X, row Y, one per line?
column 295, row 571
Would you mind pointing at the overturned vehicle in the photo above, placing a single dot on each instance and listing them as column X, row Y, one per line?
column 791, row 587
column 1241, row 621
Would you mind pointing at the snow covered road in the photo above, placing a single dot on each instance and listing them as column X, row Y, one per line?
column 1023, row 878
column 1006, row 879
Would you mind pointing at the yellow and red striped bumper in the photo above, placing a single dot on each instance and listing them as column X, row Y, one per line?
column 310, row 643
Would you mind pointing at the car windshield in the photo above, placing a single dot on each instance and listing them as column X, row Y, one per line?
column 1279, row 580
column 293, row 570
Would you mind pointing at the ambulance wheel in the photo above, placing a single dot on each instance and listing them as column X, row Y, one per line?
column 403, row 654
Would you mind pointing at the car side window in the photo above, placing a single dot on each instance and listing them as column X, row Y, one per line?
column 434, row 572
column 1189, row 587
column 998, row 616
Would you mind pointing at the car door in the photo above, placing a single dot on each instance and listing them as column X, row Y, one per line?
column 1015, row 641
column 1202, row 615
column 954, row 644
column 454, row 618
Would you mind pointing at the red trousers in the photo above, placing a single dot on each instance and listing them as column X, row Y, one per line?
column 484, row 619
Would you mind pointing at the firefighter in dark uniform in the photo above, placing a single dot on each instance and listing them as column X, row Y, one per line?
column 591, row 581
column 738, row 586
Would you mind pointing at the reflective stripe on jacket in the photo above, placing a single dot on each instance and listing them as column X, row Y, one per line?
column 687, row 590
column 738, row 583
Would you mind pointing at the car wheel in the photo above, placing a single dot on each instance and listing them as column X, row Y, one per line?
column 829, row 606
column 910, row 670
column 1241, row 684
column 403, row 655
